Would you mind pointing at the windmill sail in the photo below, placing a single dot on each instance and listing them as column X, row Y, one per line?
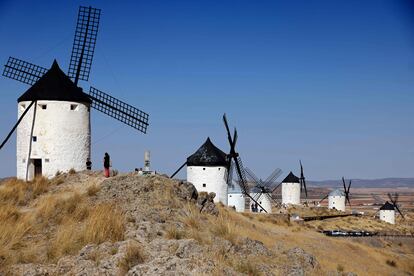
column 84, row 43
column 23, row 71
column 119, row 110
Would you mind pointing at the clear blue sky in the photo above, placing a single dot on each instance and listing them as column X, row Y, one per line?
column 328, row 82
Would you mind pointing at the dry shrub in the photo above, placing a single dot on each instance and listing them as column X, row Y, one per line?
column 72, row 171
column 19, row 192
column 93, row 189
column 391, row 263
column 173, row 233
column 133, row 256
column 13, row 229
column 68, row 240
column 60, row 207
column 40, row 186
column 247, row 267
column 104, row 223
column 191, row 217
column 14, row 191
column 222, row 227
column 340, row 268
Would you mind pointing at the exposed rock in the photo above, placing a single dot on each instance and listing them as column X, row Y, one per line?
column 187, row 191
column 251, row 247
column 300, row 261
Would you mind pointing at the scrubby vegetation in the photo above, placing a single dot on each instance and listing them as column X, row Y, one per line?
column 37, row 226
column 147, row 224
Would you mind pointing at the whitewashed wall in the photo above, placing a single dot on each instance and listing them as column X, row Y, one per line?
column 237, row 200
column 214, row 179
column 63, row 137
column 387, row 216
column 336, row 201
column 291, row 193
column 263, row 200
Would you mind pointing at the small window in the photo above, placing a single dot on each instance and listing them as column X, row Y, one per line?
column 73, row 107
column 24, row 160
column 204, row 169
column 229, row 195
column 34, row 138
column 47, row 160
column 43, row 106
column 22, row 107
column 204, row 185
column 219, row 168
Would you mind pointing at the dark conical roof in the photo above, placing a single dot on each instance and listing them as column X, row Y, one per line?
column 55, row 85
column 208, row 155
column 291, row 178
column 387, row 206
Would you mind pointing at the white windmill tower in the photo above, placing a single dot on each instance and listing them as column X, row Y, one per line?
column 337, row 199
column 291, row 189
column 207, row 170
column 387, row 211
column 56, row 133
column 263, row 190
column 58, row 124
column 236, row 197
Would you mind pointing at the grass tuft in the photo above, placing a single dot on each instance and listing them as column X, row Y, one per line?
column 133, row 256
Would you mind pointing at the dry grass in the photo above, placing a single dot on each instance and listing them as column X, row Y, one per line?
column 93, row 189
column 173, row 233
column 19, row 192
column 133, row 256
column 37, row 226
column 104, row 223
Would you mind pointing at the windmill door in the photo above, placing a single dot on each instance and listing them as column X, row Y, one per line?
column 37, row 167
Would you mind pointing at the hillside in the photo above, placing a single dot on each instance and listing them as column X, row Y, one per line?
column 84, row 224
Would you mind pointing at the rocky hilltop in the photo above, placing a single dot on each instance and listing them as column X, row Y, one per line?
column 83, row 224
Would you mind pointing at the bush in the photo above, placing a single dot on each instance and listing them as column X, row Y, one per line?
column 93, row 189
column 133, row 257
column 173, row 233
column 391, row 263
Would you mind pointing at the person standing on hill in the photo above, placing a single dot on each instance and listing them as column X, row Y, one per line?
column 107, row 163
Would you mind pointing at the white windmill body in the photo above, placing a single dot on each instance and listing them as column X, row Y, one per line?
column 336, row 200
column 263, row 199
column 207, row 171
column 236, row 198
column 387, row 213
column 291, row 190
column 55, row 134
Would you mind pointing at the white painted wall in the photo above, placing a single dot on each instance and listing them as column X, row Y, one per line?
column 63, row 137
column 237, row 200
column 336, row 201
column 291, row 193
column 263, row 200
column 387, row 216
column 214, row 179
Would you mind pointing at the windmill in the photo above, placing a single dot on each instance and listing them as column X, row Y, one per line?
column 387, row 211
column 337, row 199
column 213, row 155
column 292, row 187
column 50, row 85
column 263, row 189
